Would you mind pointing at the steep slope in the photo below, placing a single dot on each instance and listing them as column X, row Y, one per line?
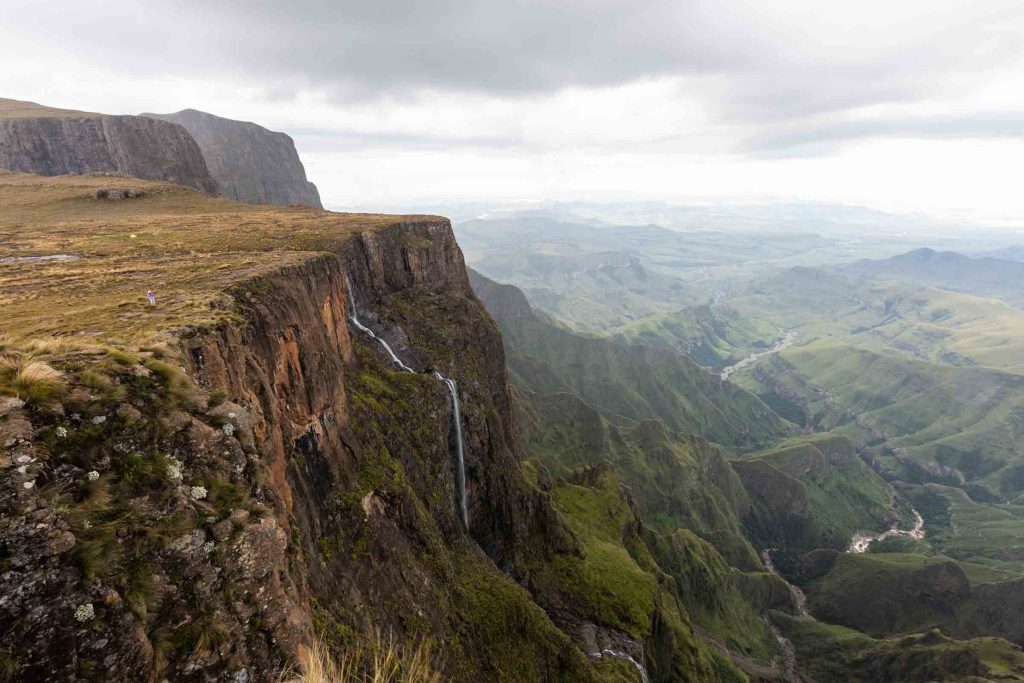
column 835, row 654
column 250, row 163
column 37, row 139
column 686, row 502
column 883, row 594
column 628, row 384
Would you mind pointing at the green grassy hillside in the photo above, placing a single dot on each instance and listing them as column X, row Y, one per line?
column 888, row 593
column 924, row 421
column 626, row 383
column 813, row 492
column 989, row 535
column 711, row 335
column 632, row 383
column 677, row 481
column 884, row 594
column 835, row 654
column 889, row 316
column 615, row 583
column 990, row 277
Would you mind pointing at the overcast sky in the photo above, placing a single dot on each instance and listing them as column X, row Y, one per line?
column 909, row 105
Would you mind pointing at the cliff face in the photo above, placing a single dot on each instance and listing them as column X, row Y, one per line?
column 36, row 139
column 250, row 163
column 288, row 482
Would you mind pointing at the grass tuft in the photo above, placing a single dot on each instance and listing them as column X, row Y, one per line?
column 378, row 660
column 34, row 381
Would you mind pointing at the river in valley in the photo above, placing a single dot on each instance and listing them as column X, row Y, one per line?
column 787, row 340
column 863, row 539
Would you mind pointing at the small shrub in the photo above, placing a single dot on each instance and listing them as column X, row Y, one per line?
column 138, row 591
column 94, row 550
column 94, row 380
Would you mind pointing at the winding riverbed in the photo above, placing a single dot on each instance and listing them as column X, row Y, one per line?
column 787, row 340
column 863, row 539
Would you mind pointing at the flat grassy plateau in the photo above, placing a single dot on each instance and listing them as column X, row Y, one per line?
column 185, row 247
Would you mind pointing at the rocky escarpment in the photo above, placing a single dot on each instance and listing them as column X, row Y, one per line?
column 35, row 139
column 197, row 525
column 250, row 163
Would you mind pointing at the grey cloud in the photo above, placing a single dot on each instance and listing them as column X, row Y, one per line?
column 749, row 72
column 814, row 139
column 330, row 140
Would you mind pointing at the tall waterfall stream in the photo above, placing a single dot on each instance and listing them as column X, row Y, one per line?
column 453, row 390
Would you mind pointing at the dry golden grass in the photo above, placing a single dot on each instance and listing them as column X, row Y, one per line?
column 380, row 660
column 184, row 246
column 19, row 109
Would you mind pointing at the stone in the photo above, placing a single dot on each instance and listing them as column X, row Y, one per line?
column 222, row 530
column 60, row 542
column 10, row 403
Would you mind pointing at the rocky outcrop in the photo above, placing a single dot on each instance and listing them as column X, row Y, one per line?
column 36, row 139
column 250, row 163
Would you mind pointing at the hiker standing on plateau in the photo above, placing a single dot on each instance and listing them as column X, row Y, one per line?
column 151, row 297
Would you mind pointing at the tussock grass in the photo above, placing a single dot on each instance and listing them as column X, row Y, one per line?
column 8, row 665
column 377, row 660
column 34, row 381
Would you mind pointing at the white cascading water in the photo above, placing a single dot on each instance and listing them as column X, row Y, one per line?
column 608, row 652
column 453, row 390
column 460, row 478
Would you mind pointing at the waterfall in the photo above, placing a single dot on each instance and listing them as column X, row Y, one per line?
column 623, row 655
column 363, row 328
column 453, row 390
column 460, row 477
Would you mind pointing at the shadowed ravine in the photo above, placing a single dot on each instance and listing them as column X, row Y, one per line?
column 453, row 390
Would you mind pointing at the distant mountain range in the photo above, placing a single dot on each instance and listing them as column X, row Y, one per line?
column 983, row 276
